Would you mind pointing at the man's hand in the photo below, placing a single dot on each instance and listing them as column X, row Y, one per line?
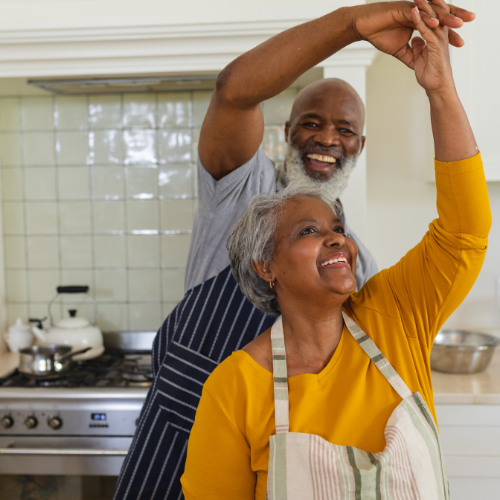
column 389, row 26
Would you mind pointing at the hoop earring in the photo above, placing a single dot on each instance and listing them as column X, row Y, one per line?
column 271, row 285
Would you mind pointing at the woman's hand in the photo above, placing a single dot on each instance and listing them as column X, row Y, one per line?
column 389, row 26
column 431, row 60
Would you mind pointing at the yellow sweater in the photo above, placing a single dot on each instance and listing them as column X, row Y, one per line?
column 401, row 308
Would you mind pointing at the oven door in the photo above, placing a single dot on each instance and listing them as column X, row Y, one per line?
column 86, row 456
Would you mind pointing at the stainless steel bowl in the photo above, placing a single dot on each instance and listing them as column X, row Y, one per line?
column 457, row 351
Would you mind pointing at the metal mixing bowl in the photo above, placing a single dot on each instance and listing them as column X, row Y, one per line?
column 457, row 351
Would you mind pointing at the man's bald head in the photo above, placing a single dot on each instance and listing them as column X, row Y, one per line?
column 328, row 92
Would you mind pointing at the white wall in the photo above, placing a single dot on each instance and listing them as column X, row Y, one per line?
column 401, row 200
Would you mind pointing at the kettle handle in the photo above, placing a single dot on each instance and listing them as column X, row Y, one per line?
column 72, row 289
column 39, row 334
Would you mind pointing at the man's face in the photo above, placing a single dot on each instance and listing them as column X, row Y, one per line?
column 326, row 130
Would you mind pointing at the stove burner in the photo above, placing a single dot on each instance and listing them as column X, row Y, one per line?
column 108, row 370
column 139, row 373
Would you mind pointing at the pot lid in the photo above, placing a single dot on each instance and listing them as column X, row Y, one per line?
column 73, row 322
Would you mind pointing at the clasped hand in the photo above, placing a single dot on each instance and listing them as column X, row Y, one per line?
column 389, row 27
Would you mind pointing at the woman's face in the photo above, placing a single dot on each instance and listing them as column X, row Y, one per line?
column 314, row 260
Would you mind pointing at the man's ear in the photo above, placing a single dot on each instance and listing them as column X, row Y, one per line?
column 287, row 130
column 363, row 140
column 263, row 271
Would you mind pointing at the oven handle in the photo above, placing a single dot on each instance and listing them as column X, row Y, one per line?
column 79, row 452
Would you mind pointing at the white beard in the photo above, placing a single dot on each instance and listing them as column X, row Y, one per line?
column 331, row 188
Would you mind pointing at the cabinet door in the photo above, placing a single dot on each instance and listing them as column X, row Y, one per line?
column 470, row 436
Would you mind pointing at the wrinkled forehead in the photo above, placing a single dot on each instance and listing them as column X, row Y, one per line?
column 302, row 209
column 331, row 103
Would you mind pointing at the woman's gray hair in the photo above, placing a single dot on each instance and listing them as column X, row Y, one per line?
column 252, row 239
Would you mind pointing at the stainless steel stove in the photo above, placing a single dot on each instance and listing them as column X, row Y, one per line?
column 80, row 424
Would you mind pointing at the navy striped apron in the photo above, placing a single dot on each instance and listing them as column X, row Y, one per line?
column 213, row 320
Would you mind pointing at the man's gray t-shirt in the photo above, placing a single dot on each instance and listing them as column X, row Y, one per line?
column 222, row 203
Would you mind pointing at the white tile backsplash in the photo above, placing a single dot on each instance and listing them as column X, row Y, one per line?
column 110, row 251
column 40, row 183
column 176, row 216
column 145, row 316
column 111, row 285
column 100, row 190
column 13, row 218
column 15, row 252
column 73, row 183
column 105, row 111
column 72, row 148
column 10, row 114
column 41, row 217
column 105, row 147
column 139, row 111
column 109, row 217
column 175, row 146
column 37, row 113
column 43, row 252
column 142, row 217
column 71, row 112
column 12, row 184
column 42, row 284
column 108, row 183
column 38, row 149
column 141, row 182
column 175, row 109
column 76, row 252
column 143, row 285
column 11, row 150
column 143, row 251
column 75, row 217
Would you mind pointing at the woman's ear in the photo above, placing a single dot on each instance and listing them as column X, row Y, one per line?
column 263, row 271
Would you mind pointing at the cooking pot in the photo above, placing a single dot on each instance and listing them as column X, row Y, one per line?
column 458, row 351
column 48, row 361
column 74, row 331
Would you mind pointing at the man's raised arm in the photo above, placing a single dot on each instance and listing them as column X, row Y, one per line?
column 234, row 125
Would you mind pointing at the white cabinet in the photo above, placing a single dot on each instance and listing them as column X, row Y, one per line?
column 471, row 441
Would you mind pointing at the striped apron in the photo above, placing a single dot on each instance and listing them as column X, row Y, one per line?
column 307, row 467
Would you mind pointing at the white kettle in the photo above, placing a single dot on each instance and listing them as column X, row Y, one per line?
column 74, row 331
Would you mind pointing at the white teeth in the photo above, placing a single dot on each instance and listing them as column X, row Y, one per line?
column 326, row 159
column 335, row 261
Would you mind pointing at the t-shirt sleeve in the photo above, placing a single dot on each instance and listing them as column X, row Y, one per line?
column 218, row 457
column 220, row 204
column 433, row 278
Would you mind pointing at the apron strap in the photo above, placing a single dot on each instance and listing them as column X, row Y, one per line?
column 377, row 357
column 280, row 377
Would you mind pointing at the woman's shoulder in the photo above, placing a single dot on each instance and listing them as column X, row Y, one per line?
column 240, row 373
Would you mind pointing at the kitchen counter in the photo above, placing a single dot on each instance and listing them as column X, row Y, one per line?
column 477, row 389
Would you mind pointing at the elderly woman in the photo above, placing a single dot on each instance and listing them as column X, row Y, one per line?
column 335, row 400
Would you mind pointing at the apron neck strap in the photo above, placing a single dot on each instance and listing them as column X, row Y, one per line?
column 280, row 377
column 377, row 357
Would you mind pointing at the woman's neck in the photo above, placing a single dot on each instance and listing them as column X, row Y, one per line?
column 311, row 340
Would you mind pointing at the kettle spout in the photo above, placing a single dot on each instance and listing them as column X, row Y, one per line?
column 39, row 334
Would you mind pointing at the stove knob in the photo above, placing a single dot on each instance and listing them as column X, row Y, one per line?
column 55, row 423
column 7, row 422
column 31, row 422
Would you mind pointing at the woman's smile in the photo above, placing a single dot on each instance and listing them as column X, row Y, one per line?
column 338, row 259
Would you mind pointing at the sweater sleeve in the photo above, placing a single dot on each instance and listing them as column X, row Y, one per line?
column 433, row 278
column 218, row 457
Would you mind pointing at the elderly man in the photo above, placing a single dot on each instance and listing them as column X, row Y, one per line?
column 324, row 138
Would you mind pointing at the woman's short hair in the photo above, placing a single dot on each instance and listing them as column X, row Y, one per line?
column 253, row 239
